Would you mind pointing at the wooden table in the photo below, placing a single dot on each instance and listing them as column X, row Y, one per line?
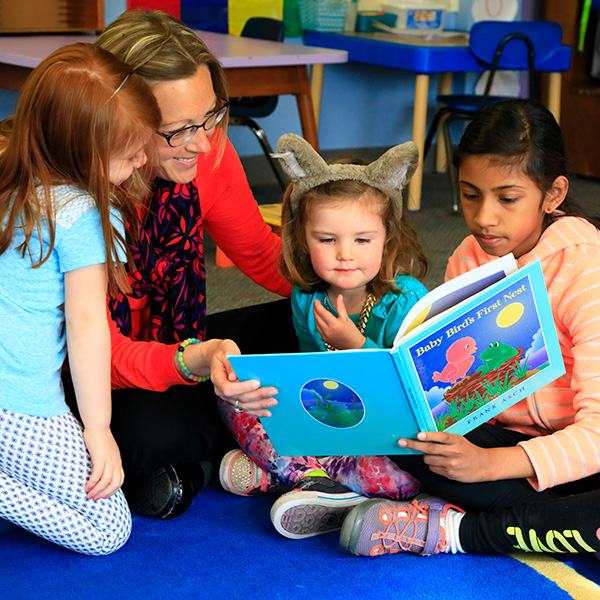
column 252, row 67
column 425, row 57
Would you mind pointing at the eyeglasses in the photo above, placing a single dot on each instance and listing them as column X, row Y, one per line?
column 185, row 134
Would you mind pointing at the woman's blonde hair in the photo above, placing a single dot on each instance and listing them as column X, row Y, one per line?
column 402, row 253
column 78, row 109
column 160, row 48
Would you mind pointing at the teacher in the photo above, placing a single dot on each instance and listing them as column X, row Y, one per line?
column 165, row 422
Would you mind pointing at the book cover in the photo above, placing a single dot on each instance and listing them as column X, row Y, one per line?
column 454, row 371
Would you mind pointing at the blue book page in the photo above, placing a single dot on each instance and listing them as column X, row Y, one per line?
column 490, row 353
column 332, row 403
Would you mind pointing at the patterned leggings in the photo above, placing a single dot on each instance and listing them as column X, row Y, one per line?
column 372, row 476
column 44, row 466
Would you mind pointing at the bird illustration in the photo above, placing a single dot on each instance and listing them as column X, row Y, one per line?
column 460, row 358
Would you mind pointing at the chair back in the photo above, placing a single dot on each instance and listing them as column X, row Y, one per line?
column 514, row 45
column 485, row 36
column 498, row 45
column 261, row 28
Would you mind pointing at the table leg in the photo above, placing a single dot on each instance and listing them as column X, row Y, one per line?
column 419, row 122
column 306, row 109
column 275, row 81
column 444, row 89
column 316, row 90
column 554, row 81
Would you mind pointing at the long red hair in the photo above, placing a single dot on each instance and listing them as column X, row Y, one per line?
column 78, row 108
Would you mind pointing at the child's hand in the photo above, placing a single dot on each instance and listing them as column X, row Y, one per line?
column 339, row 332
column 454, row 457
column 245, row 395
column 107, row 472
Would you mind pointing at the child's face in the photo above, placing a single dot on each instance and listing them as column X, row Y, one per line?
column 503, row 208
column 345, row 240
column 121, row 167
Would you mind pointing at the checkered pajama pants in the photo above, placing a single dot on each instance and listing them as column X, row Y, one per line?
column 44, row 466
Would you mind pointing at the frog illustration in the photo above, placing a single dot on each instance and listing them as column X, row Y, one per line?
column 334, row 413
column 495, row 356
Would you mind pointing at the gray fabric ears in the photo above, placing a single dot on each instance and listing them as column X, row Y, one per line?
column 390, row 173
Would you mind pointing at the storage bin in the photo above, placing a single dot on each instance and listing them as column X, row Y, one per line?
column 416, row 17
column 322, row 15
column 365, row 20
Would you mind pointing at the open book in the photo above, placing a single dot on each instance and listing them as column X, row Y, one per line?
column 467, row 351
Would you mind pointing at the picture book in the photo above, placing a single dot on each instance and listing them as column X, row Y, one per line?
column 466, row 352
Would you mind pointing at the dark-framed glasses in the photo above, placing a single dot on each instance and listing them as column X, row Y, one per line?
column 185, row 134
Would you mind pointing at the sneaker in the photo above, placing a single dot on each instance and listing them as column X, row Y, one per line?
column 315, row 505
column 239, row 475
column 387, row 526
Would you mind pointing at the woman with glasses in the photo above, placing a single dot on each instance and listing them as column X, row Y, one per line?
column 167, row 428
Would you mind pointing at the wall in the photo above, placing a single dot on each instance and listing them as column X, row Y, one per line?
column 362, row 106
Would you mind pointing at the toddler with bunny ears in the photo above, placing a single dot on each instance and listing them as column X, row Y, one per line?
column 354, row 262
column 347, row 247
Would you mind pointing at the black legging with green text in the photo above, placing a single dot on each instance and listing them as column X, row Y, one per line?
column 509, row 515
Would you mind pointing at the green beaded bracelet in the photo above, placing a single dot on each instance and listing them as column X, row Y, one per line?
column 183, row 366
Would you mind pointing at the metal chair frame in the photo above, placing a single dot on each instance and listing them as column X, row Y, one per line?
column 507, row 54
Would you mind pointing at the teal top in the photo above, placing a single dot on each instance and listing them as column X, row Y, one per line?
column 382, row 326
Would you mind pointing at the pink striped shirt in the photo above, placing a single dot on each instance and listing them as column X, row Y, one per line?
column 563, row 417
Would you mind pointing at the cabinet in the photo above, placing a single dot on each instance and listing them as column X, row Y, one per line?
column 580, row 92
column 51, row 16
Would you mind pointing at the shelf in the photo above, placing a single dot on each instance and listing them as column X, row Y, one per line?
column 586, row 88
column 580, row 92
column 51, row 16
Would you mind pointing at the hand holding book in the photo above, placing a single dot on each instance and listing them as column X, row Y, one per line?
column 364, row 401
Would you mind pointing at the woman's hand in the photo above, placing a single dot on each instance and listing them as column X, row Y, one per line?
column 339, row 332
column 107, row 472
column 249, row 396
column 454, row 457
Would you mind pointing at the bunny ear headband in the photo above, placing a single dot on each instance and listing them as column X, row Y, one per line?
column 390, row 173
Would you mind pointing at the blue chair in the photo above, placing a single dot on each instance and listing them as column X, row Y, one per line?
column 243, row 111
column 501, row 45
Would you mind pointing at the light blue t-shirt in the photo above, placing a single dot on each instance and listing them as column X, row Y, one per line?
column 382, row 326
column 32, row 318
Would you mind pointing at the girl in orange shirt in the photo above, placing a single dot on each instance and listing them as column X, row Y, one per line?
column 520, row 480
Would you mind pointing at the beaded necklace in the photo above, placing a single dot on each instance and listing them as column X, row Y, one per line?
column 365, row 313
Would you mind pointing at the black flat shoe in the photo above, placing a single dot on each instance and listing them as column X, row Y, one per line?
column 167, row 492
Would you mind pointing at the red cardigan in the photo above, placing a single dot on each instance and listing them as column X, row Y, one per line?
column 230, row 215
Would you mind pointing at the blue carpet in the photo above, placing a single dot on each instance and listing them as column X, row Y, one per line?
column 225, row 548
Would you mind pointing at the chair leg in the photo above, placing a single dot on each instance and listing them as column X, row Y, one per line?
column 450, row 170
column 267, row 150
column 433, row 129
column 431, row 134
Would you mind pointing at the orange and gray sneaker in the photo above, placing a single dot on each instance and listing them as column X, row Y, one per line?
column 388, row 526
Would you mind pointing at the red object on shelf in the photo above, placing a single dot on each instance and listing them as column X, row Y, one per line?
column 222, row 260
column 172, row 7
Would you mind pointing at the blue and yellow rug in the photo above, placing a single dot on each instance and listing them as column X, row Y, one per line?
column 224, row 548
